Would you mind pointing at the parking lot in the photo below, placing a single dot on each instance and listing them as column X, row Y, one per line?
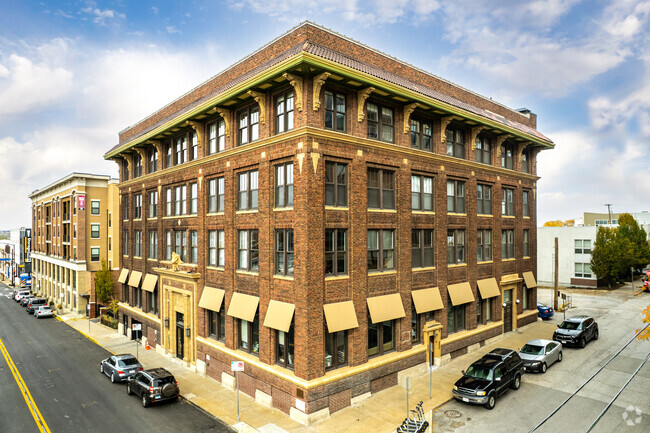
column 618, row 316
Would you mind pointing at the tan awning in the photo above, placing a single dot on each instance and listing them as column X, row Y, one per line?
column 340, row 316
column 279, row 316
column 460, row 293
column 243, row 306
column 384, row 308
column 488, row 288
column 529, row 279
column 149, row 283
column 134, row 279
column 427, row 300
column 212, row 298
column 123, row 274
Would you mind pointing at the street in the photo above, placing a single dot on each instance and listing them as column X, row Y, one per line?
column 618, row 316
column 60, row 368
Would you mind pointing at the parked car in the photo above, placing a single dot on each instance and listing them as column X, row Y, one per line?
column 544, row 311
column 20, row 294
column 120, row 367
column 539, row 354
column 43, row 311
column 153, row 386
column 576, row 330
column 35, row 303
column 490, row 377
column 25, row 299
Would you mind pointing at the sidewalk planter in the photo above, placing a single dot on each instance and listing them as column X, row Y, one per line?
column 108, row 321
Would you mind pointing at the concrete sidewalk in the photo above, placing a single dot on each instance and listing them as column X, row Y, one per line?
column 382, row 412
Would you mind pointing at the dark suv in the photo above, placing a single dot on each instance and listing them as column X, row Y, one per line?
column 576, row 330
column 153, row 386
column 490, row 377
column 34, row 303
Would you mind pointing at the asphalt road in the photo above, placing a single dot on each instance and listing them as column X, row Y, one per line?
column 618, row 314
column 60, row 368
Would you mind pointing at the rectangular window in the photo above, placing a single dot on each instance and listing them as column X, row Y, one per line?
column 216, row 195
column 416, row 320
column 125, row 207
column 582, row 246
column 507, row 156
column 168, row 155
column 284, row 348
column 137, row 206
column 248, row 250
column 194, row 147
column 455, row 317
column 153, row 160
column 455, row 196
column 284, row 112
column 180, row 200
column 526, row 207
column 381, row 250
column 525, row 164
column 94, row 254
column 194, row 244
column 137, row 165
column 153, row 244
column 422, row 248
column 381, row 189
column 94, row 207
column 194, row 198
column 94, row 231
column 421, row 133
column 180, row 245
column 284, row 185
column 249, row 335
column 455, row 143
column 180, row 150
column 284, row 252
column 137, row 243
column 336, row 184
column 483, row 199
column 484, row 309
column 336, row 256
column 217, row 137
column 526, row 243
column 336, row 349
column 168, row 202
column 455, row 247
column 217, row 324
column 153, row 204
column 381, row 337
column 248, row 125
column 216, row 244
column 583, row 270
column 380, row 122
column 421, row 193
column 125, row 242
column 483, row 150
column 168, row 245
column 508, row 244
column 507, row 202
column 248, row 191
column 334, row 111
column 484, row 245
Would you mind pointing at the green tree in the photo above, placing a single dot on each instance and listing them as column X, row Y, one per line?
column 103, row 284
column 629, row 229
column 611, row 255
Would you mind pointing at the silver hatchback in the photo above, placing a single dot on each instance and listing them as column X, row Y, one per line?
column 120, row 367
column 539, row 354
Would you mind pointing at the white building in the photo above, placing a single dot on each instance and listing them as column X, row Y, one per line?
column 574, row 252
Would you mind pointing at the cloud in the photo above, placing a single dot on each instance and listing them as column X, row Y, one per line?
column 172, row 30
column 155, row 10
column 100, row 16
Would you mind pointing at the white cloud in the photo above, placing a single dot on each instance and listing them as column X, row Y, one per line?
column 100, row 16
column 155, row 10
column 172, row 30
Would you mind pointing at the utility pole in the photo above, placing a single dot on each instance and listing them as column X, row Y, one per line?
column 555, row 285
column 609, row 212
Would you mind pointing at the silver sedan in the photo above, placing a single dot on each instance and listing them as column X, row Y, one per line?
column 539, row 354
column 120, row 367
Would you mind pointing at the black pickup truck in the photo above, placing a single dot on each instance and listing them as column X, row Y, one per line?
column 490, row 377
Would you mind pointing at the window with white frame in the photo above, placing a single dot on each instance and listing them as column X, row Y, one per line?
column 249, row 125
column 153, row 204
column 284, row 252
column 216, row 252
column 284, row 112
column 94, row 231
column 334, row 111
column 456, row 247
column 582, row 246
column 381, row 250
column 248, row 250
column 284, row 185
column 583, row 270
column 421, row 193
column 455, row 196
column 180, row 244
column 194, row 198
column 248, row 190
column 137, row 206
column 526, row 205
column 526, row 243
column 153, row 244
column 180, row 150
column 180, row 200
column 137, row 243
column 507, row 202
column 217, row 136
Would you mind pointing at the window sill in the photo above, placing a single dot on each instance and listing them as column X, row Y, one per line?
column 283, row 277
column 427, row 268
column 378, row 273
column 137, row 220
column 526, row 217
column 171, row 217
column 382, row 210
column 337, row 277
column 282, row 209
column 344, row 208
column 456, row 214
column 149, row 259
column 484, row 215
column 487, row 262
column 215, row 268
column 243, row 272
column 215, row 213
column 239, row 212
column 508, row 260
column 457, row 265
column 508, row 216
column 423, row 212
column 152, row 218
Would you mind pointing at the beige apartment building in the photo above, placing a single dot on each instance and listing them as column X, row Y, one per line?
column 73, row 226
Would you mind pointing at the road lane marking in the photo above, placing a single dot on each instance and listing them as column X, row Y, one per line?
column 31, row 404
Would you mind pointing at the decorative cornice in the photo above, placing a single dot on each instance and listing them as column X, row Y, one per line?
column 260, row 98
column 225, row 114
column 158, row 145
column 319, row 80
column 444, row 122
column 198, row 128
column 474, row 134
column 297, row 83
column 500, row 139
column 408, row 110
column 362, row 95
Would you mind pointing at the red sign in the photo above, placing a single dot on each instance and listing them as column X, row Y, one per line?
column 81, row 200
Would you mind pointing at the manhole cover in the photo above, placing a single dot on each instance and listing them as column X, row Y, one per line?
column 452, row 413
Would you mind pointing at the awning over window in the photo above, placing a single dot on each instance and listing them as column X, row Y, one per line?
column 243, row 306
column 279, row 315
column 149, row 283
column 488, row 288
column 123, row 274
column 212, row 298
column 384, row 308
column 134, row 279
column 460, row 293
column 427, row 300
column 340, row 316
column 529, row 279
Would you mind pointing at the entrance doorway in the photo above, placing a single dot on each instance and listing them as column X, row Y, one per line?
column 507, row 310
column 125, row 325
column 180, row 336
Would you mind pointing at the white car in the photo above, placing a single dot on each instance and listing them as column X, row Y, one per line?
column 43, row 311
column 539, row 354
column 20, row 295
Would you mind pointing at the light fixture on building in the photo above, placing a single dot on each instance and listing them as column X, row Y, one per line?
column 167, row 322
column 187, row 332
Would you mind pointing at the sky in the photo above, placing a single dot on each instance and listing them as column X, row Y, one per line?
column 75, row 73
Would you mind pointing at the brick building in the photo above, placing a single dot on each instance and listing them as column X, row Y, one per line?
column 338, row 213
column 74, row 227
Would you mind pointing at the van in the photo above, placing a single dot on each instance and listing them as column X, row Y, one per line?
column 34, row 303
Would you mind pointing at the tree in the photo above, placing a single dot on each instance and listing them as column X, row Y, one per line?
column 558, row 223
column 103, row 284
column 629, row 229
column 645, row 335
column 610, row 255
